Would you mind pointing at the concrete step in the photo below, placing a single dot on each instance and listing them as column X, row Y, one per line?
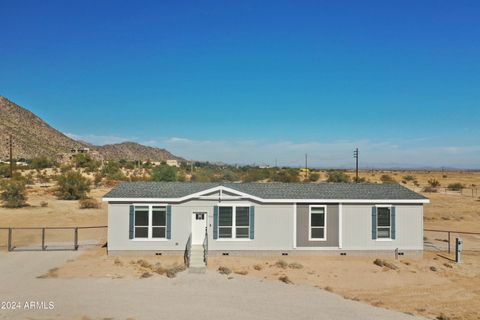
column 197, row 269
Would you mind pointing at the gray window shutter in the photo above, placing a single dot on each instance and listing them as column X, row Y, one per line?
column 393, row 218
column 252, row 222
column 169, row 222
column 215, row 222
column 374, row 223
column 130, row 222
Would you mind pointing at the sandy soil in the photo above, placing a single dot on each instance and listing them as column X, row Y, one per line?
column 187, row 296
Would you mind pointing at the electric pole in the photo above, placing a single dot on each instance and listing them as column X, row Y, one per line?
column 355, row 155
column 10, row 146
column 306, row 165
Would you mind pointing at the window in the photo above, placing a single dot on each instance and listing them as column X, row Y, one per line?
column 233, row 222
column 317, row 223
column 141, row 222
column 383, row 223
column 150, row 222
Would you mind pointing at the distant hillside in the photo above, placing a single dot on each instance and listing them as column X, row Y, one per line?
column 133, row 150
column 33, row 137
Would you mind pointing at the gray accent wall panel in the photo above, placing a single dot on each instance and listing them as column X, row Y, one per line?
column 303, row 230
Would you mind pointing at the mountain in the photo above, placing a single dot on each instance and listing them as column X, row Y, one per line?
column 134, row 151
column 33, row 137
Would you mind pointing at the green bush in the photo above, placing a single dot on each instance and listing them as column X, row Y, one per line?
column 164, row 173
column 41, row 163
column 72, row 186
column 84, row 160
column 387, row 179
column 286, row 175
column 457, row 186
column 89, row 203
column 359, row 180
column 4, row 170
column 113, row 171
column 314, row 176
column 13, row 194
column 409, row 178
column 338, row 176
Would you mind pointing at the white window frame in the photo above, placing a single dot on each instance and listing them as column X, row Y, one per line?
column 234, row 222
column 150, row 220
column 389, row 206
column 310, row 222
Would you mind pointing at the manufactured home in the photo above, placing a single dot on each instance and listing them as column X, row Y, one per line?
column 263, row 218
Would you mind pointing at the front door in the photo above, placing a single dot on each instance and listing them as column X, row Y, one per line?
column 199, row 223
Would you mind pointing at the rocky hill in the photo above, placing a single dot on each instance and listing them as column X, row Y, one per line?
column 33, row 138
column 133, row 150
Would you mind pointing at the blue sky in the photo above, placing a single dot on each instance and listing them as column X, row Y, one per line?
column 254, row 81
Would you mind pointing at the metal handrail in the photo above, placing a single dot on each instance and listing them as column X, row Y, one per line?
column 188, row 251
column 205, row 247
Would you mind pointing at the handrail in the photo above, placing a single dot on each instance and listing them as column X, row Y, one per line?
column 205, row 247
column 188, row 250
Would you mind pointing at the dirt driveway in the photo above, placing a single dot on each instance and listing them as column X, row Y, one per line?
column 188, row 296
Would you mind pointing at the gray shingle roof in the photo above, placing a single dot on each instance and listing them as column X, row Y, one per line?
column 342, row 191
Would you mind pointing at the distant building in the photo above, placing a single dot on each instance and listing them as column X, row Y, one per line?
column 173, row 163
column 67, row 157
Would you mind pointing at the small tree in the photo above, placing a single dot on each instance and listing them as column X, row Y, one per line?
column 14, row 194
column 72, row 186
column 164, row 173
column 337, row 176
column 409, row 178
column 112, row 171
column 84, row 160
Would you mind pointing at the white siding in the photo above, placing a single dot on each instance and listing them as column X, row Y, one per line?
column 357, row 228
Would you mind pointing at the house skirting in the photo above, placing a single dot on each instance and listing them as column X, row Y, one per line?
column 275, row 253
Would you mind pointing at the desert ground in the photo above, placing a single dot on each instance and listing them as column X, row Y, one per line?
column 433, row 286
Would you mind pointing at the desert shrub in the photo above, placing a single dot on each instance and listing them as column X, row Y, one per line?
column 224, row 270
column 285, row 279
column 181, row 177
column 4, row 170
column 164, row 173
column 113, row 171
column 13, row 194
column 409, row 178
column 457, row 186
column 429, row 189
column 172, row 272
column 72, row 186
column 442, row 317
column 434, row 269
column 97, row 178
column 328, row 288
column 43, row 204
column 281, row 264
column 378, row 262
column 385, row 178
column 29, row 178
column 337, row 176
column 434, row 183
column 415, row 183
column 314, row 176
column 359, row 179
column 146, row 275
column 286, row 175
column 230, row 175
column 295, row 265
column 84, row 160
column 89, row 203
column 241, row 272
column 258, row 267
column 41, row 163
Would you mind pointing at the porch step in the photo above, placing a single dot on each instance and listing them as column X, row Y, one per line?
column 197, row 265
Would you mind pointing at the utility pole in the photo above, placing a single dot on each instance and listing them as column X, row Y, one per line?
column 10, row 145
column 355, row 155
column 306, row 165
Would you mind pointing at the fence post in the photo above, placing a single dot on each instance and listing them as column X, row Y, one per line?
column 448, row 241
column 43, row 239
column 9, row 245
column 76, row 238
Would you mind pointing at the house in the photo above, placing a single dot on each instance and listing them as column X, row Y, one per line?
column 263, row 218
